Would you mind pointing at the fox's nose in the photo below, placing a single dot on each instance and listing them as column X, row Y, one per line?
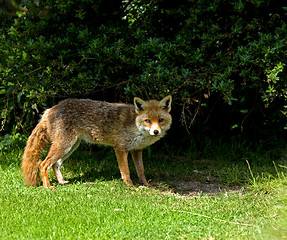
column 155, row 132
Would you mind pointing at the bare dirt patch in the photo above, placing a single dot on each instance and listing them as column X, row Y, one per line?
column 194, row 188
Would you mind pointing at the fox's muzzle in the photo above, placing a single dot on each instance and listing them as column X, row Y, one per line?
column 154, row 132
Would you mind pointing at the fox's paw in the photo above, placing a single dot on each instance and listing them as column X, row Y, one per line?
column 132, row 185
column 145, row 183
column 63, row 182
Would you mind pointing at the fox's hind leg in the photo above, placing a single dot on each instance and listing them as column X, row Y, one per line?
column 58, row 164
column 58, row 150
column 138, row 161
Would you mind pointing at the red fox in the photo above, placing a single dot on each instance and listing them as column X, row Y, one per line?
column 126, row 127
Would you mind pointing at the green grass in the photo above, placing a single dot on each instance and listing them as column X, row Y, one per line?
column 97, row 205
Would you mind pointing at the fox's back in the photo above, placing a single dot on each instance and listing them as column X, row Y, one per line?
column 95, row 121
column 81, row 112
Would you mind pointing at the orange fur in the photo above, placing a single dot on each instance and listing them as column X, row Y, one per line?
column 31, row 159
column 126, row 127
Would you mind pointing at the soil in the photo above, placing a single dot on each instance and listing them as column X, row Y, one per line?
column 196, row 188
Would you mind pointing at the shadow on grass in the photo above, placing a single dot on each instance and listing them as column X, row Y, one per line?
column 176, row 175
column 181, row 172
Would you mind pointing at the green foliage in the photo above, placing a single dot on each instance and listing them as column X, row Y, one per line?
column 204, row 53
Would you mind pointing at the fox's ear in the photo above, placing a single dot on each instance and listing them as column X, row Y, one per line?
column 166, row 103
column 139, row 104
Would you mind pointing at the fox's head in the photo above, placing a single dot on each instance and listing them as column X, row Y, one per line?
column 153, row 116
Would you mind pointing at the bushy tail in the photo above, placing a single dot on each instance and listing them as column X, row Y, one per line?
column 31, row 160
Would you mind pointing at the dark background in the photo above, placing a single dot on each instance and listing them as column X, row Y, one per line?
column 224, row 62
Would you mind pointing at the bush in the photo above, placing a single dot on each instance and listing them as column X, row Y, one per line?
column 223, row 59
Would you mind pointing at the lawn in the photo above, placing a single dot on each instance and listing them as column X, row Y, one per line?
column 239, row 199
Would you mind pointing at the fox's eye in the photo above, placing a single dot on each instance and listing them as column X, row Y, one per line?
column 160, row 120
column 147, row 121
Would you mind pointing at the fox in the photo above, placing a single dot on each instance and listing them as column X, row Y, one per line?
column 125, row 127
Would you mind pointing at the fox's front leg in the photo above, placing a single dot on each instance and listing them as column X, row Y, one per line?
column 138, row 161
column 122, row 157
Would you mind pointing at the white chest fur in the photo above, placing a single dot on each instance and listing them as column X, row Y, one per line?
column 141, row 141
